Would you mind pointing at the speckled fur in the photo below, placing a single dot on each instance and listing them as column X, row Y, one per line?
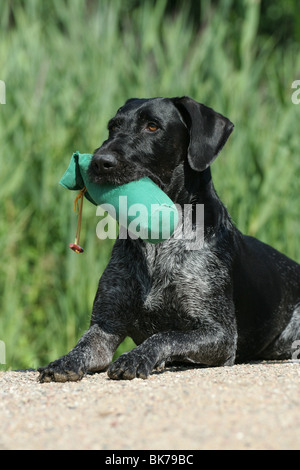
column 233, row 299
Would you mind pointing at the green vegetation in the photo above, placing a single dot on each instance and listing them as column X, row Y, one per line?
column 68, row 65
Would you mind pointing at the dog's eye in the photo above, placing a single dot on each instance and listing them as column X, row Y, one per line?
column 152, row 127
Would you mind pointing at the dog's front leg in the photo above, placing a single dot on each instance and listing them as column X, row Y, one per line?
column 215, row 349
column 93, row 352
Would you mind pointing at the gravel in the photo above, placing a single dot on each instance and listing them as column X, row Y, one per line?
column 248, row 406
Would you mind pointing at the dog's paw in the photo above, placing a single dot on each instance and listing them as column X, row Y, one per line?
column 131, row 365
column 60, row 370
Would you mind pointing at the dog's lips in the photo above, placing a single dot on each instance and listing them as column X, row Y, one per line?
column 119, row 180
column 116, row 181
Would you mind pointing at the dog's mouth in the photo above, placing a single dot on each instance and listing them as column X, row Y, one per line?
column 120, row 175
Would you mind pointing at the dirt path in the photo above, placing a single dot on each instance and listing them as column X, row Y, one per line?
column 253, row 406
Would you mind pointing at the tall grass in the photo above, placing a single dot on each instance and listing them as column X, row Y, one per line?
column 68, row 66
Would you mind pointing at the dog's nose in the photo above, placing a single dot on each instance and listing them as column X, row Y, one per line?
column 104, row 163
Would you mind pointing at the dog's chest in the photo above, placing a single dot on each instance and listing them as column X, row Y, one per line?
column 175, row 287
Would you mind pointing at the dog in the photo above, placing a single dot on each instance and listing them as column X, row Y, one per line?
column 233, row 300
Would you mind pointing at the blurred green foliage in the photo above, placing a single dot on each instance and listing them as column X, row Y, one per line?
column 68, row 65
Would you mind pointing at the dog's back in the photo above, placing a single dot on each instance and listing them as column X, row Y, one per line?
column 266, row 295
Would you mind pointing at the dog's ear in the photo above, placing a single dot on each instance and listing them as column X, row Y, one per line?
column 208, row 130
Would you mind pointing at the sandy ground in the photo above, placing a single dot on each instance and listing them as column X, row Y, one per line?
column 251, row 406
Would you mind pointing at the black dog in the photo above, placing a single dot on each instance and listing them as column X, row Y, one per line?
column 234, row 299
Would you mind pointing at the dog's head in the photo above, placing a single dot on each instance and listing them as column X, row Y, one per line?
column 151, row 137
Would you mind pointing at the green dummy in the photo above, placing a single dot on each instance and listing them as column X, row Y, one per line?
column 146, row 211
